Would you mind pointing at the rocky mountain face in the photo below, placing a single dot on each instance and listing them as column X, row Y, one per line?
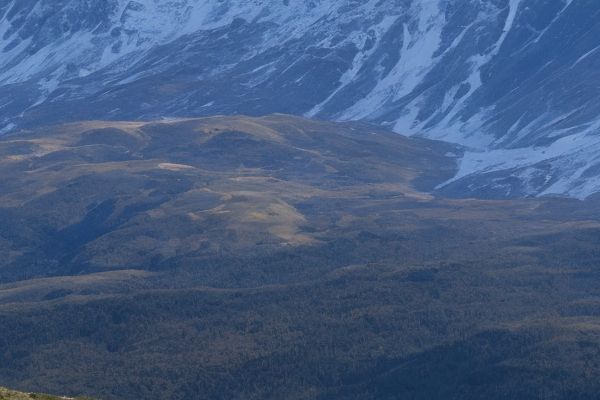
column 513, row 81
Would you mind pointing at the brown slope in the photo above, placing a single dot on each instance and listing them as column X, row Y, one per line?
column 99, row 196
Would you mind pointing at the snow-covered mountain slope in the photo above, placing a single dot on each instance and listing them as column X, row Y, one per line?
column 514, row 81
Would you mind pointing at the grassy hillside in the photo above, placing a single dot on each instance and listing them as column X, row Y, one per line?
column 7, row 394
column 269, row 258
column 100, row 196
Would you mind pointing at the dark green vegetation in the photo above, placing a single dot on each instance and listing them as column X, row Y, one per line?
column 270, row 258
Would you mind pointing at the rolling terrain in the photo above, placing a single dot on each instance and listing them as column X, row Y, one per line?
column 277, row 257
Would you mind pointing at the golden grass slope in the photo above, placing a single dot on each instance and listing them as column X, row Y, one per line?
column 202, row 186
column 7, row 394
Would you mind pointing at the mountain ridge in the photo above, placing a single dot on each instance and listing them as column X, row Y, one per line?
column 511, row 80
